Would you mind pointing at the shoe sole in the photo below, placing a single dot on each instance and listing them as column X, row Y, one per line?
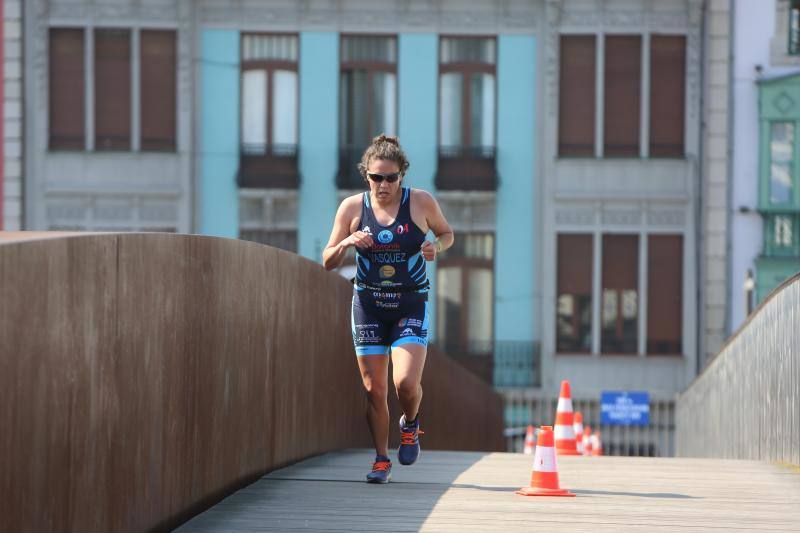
column 380, row 481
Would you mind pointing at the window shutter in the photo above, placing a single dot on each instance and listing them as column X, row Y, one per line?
column 112, row 86
column 667, row 95
column 576, row 107
column 158, row 90
column 622, row 95
column 66, row 90
column 665, row 294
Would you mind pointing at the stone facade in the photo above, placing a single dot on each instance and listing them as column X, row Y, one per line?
column 714, row 220
column 12, row 116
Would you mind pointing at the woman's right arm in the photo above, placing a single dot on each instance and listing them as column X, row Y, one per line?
column 341, row 239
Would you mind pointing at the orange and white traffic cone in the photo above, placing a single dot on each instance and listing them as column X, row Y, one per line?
column 587, row 440
column 578, row 425
column 544, row 477
column 565, row 432
column 597, row 444
column 530, row 441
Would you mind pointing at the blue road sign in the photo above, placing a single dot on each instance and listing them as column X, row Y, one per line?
column 621, row 408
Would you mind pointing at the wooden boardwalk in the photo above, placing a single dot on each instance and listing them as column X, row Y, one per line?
column 457, row 491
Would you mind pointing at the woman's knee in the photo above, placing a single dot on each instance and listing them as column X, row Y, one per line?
column 407, row 387
column 375, row 389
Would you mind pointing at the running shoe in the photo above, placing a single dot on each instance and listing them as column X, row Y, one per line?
column 381, row 470
column 409, row 441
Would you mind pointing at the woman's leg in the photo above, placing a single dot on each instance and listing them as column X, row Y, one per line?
column 408, row 361
column 375, row 376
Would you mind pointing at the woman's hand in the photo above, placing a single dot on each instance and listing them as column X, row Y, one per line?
column 429, row 250
column 358, row 239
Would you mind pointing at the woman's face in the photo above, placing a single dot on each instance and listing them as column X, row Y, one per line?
column 383, row 190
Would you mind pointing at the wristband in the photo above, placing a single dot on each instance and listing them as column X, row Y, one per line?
column 438, row 245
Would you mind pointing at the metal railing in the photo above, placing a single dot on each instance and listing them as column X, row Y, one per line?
column 499, row 363
column 746, row 403
column 657, row 439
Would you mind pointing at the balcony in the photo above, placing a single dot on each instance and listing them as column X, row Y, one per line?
column 467, row 168
column 268, row 166
column 348, row 176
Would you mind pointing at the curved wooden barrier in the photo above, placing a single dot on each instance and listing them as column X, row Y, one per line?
column 143, row 377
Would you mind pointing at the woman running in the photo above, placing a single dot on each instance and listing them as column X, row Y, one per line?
column 387, row 226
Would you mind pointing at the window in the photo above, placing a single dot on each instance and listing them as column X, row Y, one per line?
column 576, row 109
column 667, row 95
column 622, row 79
column 781, row 153
column 467, row 93
column 467, row 114
column 158, row 89
column 114, row 61
column 664, row 294
column 269, row 94
column 620, row 294
column 782, row 235
column 574, row 297
column 66, row 90
column 368, row 88
column 368, row 100
column 112, row 89
column 465, row 283
column 794, row 27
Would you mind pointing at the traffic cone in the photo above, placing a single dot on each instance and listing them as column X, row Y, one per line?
column 530, row 441
column 544, row 477
column 587, row 440
column 597, row 444
column 565, row 432
column 578, row 425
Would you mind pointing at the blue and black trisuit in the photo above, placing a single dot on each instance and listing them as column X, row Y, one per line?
column 390, row 295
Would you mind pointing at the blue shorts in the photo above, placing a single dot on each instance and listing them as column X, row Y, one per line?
column 381, row 323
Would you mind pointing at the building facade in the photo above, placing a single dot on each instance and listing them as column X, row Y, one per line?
column 765, row 209
column 563, row 139
column 11, row 182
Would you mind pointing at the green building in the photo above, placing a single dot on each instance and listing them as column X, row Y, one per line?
column 779, row 181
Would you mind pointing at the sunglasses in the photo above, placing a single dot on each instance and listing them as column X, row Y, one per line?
column 390, row 178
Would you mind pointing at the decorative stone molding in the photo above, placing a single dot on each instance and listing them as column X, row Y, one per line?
column 673, row 217
column 378, row 15
column 575, row 217
column 619, row 217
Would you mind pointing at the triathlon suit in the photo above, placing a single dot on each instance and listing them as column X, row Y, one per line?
column 390, row 295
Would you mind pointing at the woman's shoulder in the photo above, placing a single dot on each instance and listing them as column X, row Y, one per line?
column 351, row 202
column 421, row 196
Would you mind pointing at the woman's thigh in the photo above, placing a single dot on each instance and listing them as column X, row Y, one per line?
column 374, row 373
column 408, row 361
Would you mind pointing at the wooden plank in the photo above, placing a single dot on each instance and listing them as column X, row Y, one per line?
column 448, row 491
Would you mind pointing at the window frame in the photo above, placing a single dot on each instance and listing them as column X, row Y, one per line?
column 465, row 265
column 766, row 186
column 466, row 69
column 371, row 67
column 793, row 5
column 269, row 66
column 642, row 291
column 89, row 144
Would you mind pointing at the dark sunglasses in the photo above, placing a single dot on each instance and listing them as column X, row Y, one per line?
column 390, row 178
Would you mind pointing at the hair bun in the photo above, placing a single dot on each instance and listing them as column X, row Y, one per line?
column 382, row 138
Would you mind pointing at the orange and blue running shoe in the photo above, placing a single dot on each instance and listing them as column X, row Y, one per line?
column 381, row 470
column 409, row 441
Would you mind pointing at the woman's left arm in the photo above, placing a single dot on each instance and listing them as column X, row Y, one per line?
column 439, row 226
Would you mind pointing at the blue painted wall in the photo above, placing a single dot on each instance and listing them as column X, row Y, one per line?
column 319, row 127
column 418, row 69
column 515, row 261
column 219, row 126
